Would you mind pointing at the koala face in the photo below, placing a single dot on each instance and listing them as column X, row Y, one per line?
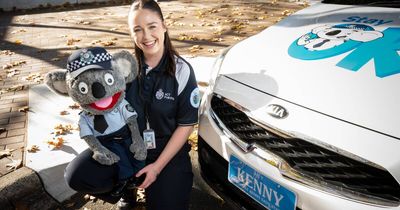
column 97, row 91
column 336, row 33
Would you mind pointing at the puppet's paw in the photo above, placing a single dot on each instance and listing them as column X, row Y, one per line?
column 105, row 157
column 139, row 151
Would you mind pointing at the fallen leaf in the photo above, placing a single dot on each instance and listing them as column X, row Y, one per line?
column 6, row 52
column 18, row 41
column 211, row 50
column 24, row 109
column 86, row 197
column 195, row 48
column 286, row 12
column 74, row 106
column 61, row 129
column 56, row 142
column 34, row 77
column 108, row 43
column 72, row 41
column 95, row 41
column 12, row 72
column 113, row 29
column 15, row 164
column 55, row 59
column 13, row 64
column 6, row 152
column 33, row 148
column 12, row 88
column 62, row 113
column 216, row 39
column 17, row 31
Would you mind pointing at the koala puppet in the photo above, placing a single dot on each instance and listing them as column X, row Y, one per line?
column 97, row 81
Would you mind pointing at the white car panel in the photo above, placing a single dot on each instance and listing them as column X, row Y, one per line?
column 359, row 97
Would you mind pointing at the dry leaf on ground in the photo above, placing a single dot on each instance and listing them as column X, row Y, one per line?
column 34, row 77
column 12, row 72
column 195, row 48
column 6, row 152
column 64, row 113
column 12, row 88
column 18, row 41
column 33, row 148
column 6, row 52
column 72, row 41
column 74, row 106
column 17, row 31
column 24, row 109
column 56, row 142
column 108, row 43
column 15, row 164
column 13, row 64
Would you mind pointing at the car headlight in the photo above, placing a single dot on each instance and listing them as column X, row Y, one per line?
column 216, row 68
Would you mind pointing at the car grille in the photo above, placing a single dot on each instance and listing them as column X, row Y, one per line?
column 318, row 164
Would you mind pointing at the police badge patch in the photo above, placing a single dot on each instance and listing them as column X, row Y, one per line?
column 195, row 98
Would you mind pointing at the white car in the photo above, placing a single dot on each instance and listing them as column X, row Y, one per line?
column 306, row 114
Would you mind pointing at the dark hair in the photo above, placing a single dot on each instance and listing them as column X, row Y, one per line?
column 169, row 50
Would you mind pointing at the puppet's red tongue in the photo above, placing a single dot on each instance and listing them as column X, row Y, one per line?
column 105, row 102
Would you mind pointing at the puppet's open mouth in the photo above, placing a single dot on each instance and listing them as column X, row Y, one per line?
column 106, row 103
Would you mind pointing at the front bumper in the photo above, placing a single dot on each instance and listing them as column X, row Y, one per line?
column 215, row 148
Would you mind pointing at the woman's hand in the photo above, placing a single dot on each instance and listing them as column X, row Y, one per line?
column 151, row 172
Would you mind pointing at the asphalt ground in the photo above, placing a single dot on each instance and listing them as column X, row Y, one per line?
column 40, row 40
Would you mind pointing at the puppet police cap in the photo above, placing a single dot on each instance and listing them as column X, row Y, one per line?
column 88, row 58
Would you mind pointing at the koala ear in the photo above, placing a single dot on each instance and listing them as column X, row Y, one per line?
column 56, row 81
column 320, row 28
column 126, row 64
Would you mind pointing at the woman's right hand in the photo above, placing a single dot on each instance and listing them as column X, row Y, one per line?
column 151, row 172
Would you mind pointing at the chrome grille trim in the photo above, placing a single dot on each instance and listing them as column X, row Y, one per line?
column 342, row 164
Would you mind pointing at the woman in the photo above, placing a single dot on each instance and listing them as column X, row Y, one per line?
column 166, row 97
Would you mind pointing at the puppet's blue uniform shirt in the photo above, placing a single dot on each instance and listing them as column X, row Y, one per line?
column 116, row 119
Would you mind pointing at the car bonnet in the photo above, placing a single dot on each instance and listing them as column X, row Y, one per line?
column 342, row 61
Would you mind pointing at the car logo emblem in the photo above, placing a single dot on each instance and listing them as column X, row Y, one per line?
column 277, row 111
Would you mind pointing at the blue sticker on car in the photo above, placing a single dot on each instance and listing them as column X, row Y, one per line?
column 330, row 40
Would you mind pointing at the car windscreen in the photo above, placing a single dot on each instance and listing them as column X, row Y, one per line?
column 376, row 3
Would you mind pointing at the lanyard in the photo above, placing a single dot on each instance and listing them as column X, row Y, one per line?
column 147, row 103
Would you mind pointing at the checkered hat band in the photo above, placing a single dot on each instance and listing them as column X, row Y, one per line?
column 98, row 58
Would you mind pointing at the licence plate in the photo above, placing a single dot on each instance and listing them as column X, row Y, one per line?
column 259, row 187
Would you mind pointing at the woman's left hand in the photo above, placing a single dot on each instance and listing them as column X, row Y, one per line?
column 151, row 172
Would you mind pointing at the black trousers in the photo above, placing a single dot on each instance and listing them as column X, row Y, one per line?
column 171, row 190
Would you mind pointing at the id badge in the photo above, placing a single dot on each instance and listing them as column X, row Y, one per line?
column 149, row 138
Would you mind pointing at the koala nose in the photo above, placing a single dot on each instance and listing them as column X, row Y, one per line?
column 98, row 90
column 333, row 33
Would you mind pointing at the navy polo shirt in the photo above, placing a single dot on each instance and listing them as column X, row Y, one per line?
column 170, row 100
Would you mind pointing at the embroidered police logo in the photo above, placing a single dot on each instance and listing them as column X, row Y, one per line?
column 86, row 56
column 159, row 94
column 195, row 98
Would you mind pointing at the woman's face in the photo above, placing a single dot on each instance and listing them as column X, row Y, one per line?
column 148, row 31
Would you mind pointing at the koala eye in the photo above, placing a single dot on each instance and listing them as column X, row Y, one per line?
column 109, row 79
column 83, row 87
